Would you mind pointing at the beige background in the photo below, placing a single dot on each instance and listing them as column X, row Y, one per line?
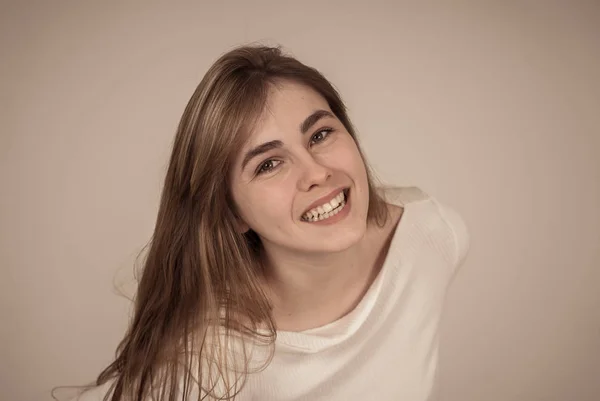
column 493, row 107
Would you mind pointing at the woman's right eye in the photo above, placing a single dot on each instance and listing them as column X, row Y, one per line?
column 267, row 166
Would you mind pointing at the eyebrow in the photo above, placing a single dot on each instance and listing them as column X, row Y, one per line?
column 313, row 118
column 277, row 144
column 259, row 150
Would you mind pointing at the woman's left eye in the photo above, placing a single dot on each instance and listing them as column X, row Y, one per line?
column 320, row 136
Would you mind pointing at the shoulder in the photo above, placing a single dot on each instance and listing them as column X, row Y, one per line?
column 432, row 220
column 91, row 392
column 401, row 196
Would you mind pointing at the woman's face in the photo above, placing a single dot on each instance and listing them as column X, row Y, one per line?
column 299, row 181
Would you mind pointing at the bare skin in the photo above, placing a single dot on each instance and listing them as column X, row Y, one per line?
column 299, row 156
column 324, row 298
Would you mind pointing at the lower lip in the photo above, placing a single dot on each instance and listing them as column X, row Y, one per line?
column 334, row 219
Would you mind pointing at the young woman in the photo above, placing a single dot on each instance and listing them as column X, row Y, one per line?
column 277, row 269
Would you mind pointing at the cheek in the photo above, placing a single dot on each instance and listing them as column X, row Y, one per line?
column 266, row 205
column 348, row 157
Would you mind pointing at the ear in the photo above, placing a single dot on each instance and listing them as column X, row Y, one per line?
column 241, row 226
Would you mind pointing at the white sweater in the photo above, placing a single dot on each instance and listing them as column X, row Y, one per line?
column 387, row 347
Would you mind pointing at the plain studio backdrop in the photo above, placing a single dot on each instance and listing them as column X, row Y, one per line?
column 493, row 107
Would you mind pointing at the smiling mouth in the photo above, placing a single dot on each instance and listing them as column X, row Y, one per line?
column 327, row 209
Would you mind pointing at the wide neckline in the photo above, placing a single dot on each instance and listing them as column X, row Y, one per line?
column 318, row 338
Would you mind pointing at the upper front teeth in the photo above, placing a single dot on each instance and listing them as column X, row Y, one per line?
column 325, row 208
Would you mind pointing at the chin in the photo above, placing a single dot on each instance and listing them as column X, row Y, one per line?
column 341, row 241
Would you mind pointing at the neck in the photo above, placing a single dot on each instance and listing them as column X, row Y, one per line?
column 311, row 290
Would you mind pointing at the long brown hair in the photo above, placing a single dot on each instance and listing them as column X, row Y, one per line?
column 200, row 288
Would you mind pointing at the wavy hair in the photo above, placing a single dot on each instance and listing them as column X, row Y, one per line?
column 199, row 300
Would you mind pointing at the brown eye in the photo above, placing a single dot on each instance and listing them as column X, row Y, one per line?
column 267, row 166
column 320, row 136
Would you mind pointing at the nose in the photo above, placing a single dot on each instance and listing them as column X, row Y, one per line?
column 313, row 174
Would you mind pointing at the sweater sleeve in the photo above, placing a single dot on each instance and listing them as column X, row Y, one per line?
column 460, row 234
column 93, row 393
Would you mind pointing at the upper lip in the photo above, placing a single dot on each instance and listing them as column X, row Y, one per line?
column 324, row 199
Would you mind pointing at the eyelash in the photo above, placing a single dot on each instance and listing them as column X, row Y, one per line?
column 327, row 131
column 260, row 169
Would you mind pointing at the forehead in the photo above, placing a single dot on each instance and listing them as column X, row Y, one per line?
column 287, row 105
column 292, row 98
